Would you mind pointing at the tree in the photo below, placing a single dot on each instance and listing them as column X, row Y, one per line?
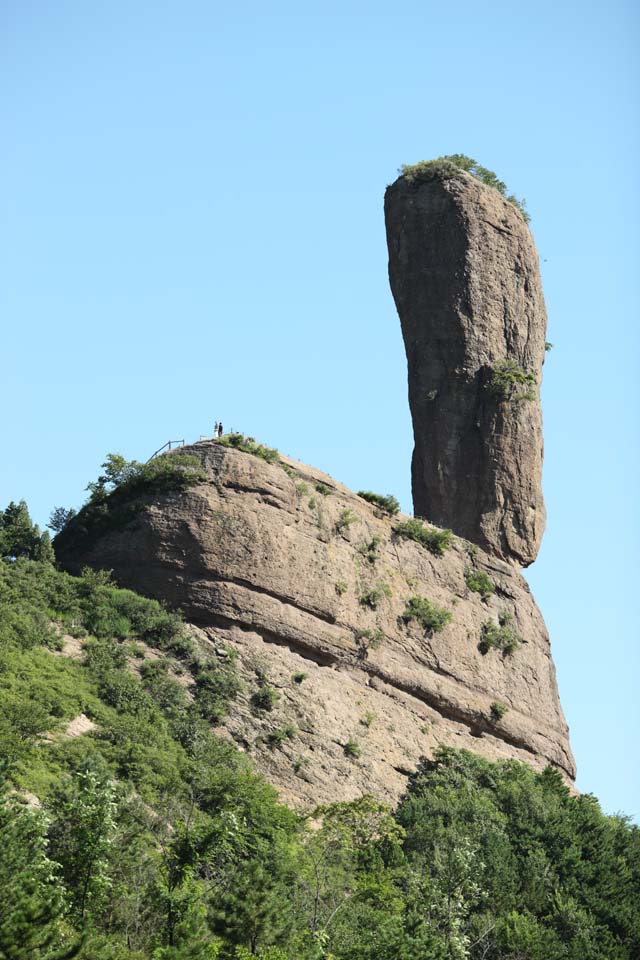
column 60, row 517
column 20, row 537
column 80, row 838
column 31, row 893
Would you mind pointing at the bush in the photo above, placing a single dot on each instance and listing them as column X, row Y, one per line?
column 510, row 382
column 388, row 504
column 299, row 677
column 432, row 617
column 444, row 168
column 265, row 698
column 368, row 640
column 499, row 636
column 277, row 737
column 352, row 749
column 369, row 719
column 164, row 690
column 112, row 504
column 371, row 598
column 248, row 445
column 498, row 710
column 436, row 541
column 323, row 489
column 369, row 550
column 341, row 587
column 479, row 582
column 216, row 685
column 346, row 518
column 170, row 471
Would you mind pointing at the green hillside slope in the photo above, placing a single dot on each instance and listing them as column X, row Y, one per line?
column 129, row 830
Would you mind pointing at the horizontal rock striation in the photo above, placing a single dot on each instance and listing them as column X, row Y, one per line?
column 464, row 274
column 310, row 589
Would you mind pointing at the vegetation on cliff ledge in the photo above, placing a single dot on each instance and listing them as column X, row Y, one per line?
column 510, row 382
column 444, row 168
column 113, row 503
column 435, row 540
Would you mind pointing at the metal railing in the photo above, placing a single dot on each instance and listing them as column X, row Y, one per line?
column 169, row 445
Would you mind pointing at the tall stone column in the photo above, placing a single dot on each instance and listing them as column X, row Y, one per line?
column 465, row 278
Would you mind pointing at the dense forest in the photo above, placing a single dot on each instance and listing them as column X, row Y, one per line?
column 138, row 833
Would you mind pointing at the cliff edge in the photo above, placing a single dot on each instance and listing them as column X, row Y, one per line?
column 322, row 596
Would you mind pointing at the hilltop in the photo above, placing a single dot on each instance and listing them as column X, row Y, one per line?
column 315, row 588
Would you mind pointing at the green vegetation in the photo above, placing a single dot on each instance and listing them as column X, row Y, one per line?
column 301, row 488
column 248, row 445
column 323, row 489
column 112, row 497
column 341, row 587
column 157, row 841
column 444, row 168
column 136, row 718
column 346, row 518
column 265, row 698
column 499, row 636
column 480, row 582
column 352, row 749
column 436, row 541
column 300, row 763
column 299, row 677
column 369, row 550
column 277, row 737
column 432, row 617
column 171, row 471
column 374, row 595
column 498, row 710
column 369, row 719
column 387, row 504
column 548, row 346
column 510, row 382
column 20, row 537
column 367, row 640
column 60, row 517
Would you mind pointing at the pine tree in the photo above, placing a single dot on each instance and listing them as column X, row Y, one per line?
column 20, row 537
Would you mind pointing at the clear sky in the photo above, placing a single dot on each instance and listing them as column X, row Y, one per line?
column 193, row 230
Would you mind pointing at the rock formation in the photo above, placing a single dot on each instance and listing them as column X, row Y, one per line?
column 464, row 275
column 309, row 583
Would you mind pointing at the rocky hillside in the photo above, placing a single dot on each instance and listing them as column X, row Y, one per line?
column 364, row 640
column 464, row 274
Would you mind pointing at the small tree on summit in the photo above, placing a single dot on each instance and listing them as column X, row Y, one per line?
column 60, row 517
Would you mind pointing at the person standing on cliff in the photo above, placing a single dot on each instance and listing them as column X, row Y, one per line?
column 215, row 429
column 220, row 430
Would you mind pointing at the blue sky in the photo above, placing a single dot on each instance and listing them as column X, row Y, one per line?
column 193, row 229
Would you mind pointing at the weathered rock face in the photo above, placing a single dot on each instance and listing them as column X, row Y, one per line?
column 260, row 559
column 464, row 275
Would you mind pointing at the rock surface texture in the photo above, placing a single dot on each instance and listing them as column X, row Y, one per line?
column 464, row 275
column 257, row 558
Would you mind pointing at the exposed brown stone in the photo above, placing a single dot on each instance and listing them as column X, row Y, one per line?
column 464, row 275
column 253, row 559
